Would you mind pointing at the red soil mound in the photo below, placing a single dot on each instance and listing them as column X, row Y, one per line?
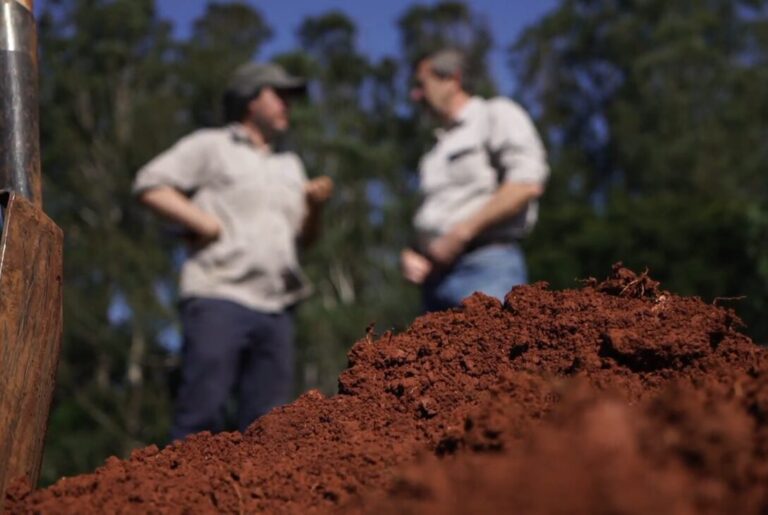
column 615, row 398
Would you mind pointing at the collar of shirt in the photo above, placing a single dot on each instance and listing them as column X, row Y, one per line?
column 240, row 135
column 469, row 110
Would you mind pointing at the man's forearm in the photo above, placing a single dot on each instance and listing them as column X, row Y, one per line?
column 176, row 207
column 509, row 200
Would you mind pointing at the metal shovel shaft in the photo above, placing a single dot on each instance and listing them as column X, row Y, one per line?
column 19, row 110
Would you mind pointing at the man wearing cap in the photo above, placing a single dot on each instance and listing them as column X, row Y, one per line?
column 245, row 205
column 479, row 183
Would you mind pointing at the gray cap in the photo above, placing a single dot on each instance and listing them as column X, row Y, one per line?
column 249, row 78
column 448, row 62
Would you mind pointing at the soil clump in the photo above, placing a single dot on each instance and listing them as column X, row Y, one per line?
column 617, row 397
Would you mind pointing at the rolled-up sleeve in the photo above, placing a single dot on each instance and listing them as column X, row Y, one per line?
column 182, row 166
column 516, row 144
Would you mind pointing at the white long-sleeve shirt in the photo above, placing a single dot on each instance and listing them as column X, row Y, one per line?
column 457, row 176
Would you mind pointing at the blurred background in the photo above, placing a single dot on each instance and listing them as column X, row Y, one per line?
column 654, row 113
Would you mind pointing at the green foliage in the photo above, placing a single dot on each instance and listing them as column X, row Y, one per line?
column 425, row 29
column 226, row 36
column 654, row 114
column 341, row 133
column 103, row 89
column 116, row 89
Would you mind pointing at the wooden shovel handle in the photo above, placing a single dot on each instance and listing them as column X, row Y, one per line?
column 31, row 269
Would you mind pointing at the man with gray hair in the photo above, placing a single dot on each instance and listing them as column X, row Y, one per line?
column 480, row 184
column 245, row 204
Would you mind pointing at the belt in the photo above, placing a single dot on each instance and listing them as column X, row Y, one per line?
column 487, row 241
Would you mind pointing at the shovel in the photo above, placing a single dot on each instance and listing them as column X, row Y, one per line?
column 30, row 258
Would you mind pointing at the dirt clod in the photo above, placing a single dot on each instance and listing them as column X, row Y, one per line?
column 614, row 398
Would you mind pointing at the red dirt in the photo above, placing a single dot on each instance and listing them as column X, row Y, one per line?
column 615, row 398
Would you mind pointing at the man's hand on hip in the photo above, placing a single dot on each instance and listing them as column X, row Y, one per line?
column 206, row 231
column 170, row 203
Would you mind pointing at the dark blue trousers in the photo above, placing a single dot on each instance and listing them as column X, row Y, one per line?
column 228, row 349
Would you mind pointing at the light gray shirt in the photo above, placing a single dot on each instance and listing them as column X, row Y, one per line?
column 257, row 196
column 457, row 177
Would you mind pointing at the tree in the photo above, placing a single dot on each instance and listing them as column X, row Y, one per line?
column 348, row 130
column 424, row 29
column 117, row 89
column 653, row 112
column 224, row 37
column 103, row 95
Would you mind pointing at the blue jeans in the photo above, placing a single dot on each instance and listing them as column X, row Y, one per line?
column 492, row 269
column 229, row 348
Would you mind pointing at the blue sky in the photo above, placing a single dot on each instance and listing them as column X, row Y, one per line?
column 376, row 22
